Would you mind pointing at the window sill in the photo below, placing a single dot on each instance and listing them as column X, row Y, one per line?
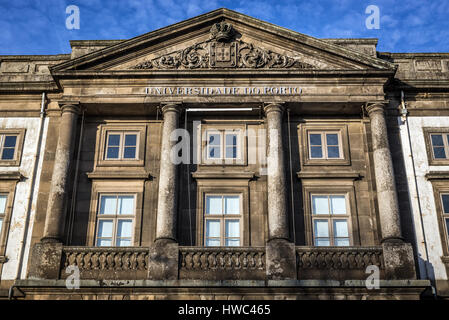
column 3, row 259
column 119, row 175
column 329, row 175
column 11, row 175
column 327, row 162
column 223, row 175
column 436, row 175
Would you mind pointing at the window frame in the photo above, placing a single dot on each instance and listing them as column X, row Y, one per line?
column 223, row 186
column 121, row 146
column 444, row 215
column 203, row 134
column 331, row 218
column 115, row 218
column 428, row 132
column 340, row 187
column 304, row 131
column 115, row 187
column 324, row 145
column 20, row 133
column 104, row 130
column 222, row 218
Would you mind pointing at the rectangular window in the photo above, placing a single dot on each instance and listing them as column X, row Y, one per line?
column 3, row 200
column 222, row 144
column 440, row 149
column 8, row 145
column 324, row 145
column 445, row 205
column 330, row 220
column 222, row 220
column 121, row 146
column 115, row 220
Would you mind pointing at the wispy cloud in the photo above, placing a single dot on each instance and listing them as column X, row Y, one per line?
column 38, row 26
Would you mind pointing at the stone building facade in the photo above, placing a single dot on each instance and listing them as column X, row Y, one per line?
column 223, row 157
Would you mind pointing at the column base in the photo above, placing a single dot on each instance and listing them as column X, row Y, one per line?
column 163, row 260
column 45, row 260
column 399, row 261
column 280, row 260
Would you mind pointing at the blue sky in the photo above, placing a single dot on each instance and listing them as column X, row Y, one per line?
column 38, row 26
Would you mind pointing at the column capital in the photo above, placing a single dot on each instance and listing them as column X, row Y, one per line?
column 70, row 106
column 372, row 107
column 273, row 107
column 171, row 107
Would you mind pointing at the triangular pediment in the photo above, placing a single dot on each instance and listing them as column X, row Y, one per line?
column 223, row 39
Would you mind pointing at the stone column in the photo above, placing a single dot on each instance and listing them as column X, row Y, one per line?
column 383, row 168
column 54, row 221
column 398, row 255
column 277, row 198
column 167, row 196
column 280, row 252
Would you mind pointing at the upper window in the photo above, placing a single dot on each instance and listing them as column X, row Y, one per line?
column 223, row 145
column 8, row 145
column 440, row 149
column 445, row 206
column 11, row 141
column 121, row 146
column 330, row 220
column 325, row 145
column 437, row 145
column 223, row 220
column 115, row 220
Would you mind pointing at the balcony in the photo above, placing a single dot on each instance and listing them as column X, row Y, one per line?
column 221, row 263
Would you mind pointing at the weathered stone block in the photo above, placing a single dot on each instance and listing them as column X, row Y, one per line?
column 280, row 260
column 399, row 262
column 45, row 261
column 163, row 261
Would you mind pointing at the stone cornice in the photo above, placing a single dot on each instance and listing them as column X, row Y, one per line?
column 223, row 175
column 11, row 175
column 437, row 175
column 329, row 175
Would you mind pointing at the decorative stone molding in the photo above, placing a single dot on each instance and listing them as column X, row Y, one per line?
column 201, row 258
column 437, row 175
column 329, row 175
column 337, row 258
column 112, row 259
column 118, row 175
column 11, row 175
column 223, row 175
column 212, row 54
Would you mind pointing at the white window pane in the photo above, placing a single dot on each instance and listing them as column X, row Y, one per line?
column 3, row 199
column 320, row 205
column 232, row 205
column 214, row 152
column 231, row 140
column 124, row 228
column 105, row 228
column 212, row 228
column 322, row 242
column 321, row 228
column 341, row 228
column 108, row 205
column 338, row 204
column 342, row 242
column 126, row 205
column 232, row 228
column 212, row 242
column 232, row 242
column 123, row 243
column 214, row 139
column 104, row 243
column 214, row 205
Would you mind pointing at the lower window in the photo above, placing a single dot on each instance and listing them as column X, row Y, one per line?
column 115, row 220
column 330, row 220
column 445, row 205
column 3, row 200
column 222, row 220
